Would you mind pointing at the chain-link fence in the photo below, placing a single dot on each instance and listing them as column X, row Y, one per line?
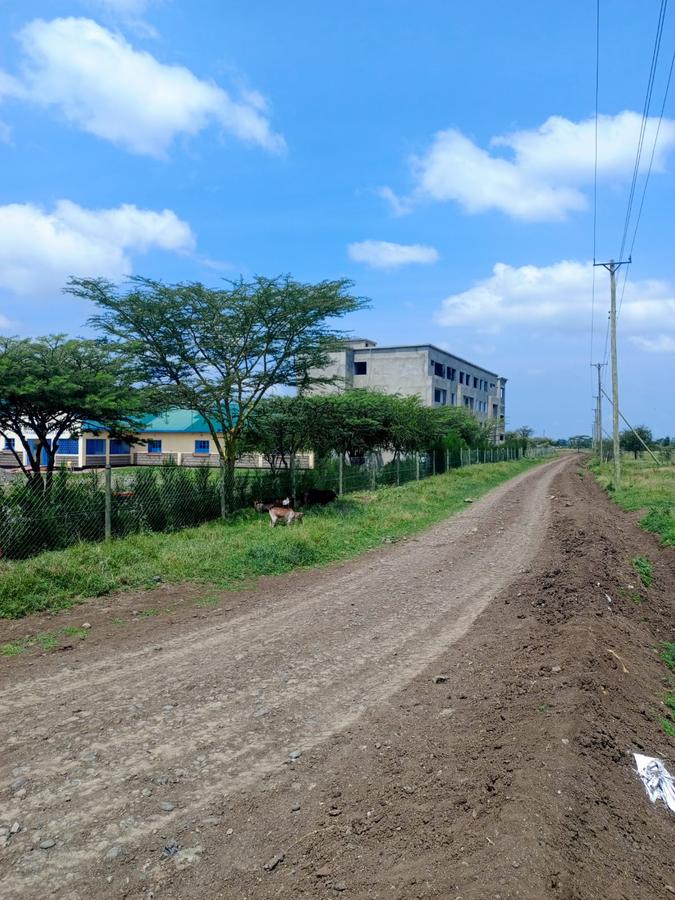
column 53, row 513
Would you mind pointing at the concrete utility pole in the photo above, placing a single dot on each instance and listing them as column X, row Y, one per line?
column 598, row 412
column 613, row 267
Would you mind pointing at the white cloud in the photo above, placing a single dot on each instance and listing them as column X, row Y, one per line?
column 131, row 8
column 39, row 250
column 543, row 172
column 664, row 343
column 102, row 84
column 383, row 255
column 129, row 13
column 556, row 296
column 397, row 205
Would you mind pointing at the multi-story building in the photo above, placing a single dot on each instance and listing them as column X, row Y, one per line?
column 439, row 378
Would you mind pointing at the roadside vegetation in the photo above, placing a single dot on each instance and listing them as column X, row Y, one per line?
column 228, row 554
column 644, row 486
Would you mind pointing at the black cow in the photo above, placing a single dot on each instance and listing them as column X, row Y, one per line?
column 315, row 497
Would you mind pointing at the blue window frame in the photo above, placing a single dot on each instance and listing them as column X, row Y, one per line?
column 10, row 443
column 154, row 446
column 201, row 446
column 44, row 458
column 119, row 448
column 95, row 447
column 68, row 446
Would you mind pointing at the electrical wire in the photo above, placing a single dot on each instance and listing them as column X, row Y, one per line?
column 645, row 118
column 595, row 177
column 649, row 172
column 638, row 155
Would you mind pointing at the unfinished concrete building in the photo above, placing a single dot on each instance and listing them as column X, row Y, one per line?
column 439, row 378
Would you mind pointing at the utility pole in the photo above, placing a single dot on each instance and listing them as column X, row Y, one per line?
column 613, row 267
column 598, row 412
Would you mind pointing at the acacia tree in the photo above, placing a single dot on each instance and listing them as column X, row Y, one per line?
column 630, row 439
column 279, row 428
column 50, row 386
column 221, row 351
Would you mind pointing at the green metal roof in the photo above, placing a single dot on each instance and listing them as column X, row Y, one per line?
column 183, row 421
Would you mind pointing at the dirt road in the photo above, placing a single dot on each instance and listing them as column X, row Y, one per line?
column 235, row 741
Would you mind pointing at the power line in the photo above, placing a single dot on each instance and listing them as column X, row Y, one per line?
column 649, row 171
column 595, row 172
column 645, row 116
column 638, row 155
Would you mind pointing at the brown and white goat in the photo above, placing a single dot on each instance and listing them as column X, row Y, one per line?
column 284, row 514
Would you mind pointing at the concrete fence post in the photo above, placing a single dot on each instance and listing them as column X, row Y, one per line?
column 107, row 526
column 417, row 467
column 221, row 489
column 340, row 473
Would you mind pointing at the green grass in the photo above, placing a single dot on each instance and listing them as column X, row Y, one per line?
column 46, row 640
column 667, row 654
column 668, row 723
column 644, row 486
column 643, row 568
column 229, row 554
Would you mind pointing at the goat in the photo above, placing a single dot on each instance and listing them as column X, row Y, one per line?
column 284, row 514
column 315, row 497
column 263, row 506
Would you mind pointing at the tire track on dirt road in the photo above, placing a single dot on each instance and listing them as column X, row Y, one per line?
column 220, row 707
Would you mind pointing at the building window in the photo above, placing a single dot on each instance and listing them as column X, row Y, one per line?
column 9, row 443
column 475, row 381
column 440, row 396
column 495, row 410
column 360, row 368
column 461, row 377
column 203, row 446
column 119, row 448
column 468, row 402
column 68, row 446
column 451, row 373
column 154, row 446
column 439, row 369
column 492, row 387
column 452, row 399
column 95, row 447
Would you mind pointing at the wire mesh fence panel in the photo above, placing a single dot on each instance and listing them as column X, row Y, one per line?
column 54, row 512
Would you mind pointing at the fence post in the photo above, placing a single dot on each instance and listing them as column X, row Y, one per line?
column 447, row 459
column 417, row 467
column 433, row 462
column 373, row 472
column 108, row 502
column 221, row 488
column 398, row 468
column 291, row 465
column 340, row 473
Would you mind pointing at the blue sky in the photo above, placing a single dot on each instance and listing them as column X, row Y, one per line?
column 439, row 154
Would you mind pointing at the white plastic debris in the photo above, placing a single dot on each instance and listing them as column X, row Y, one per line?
column 657, row 780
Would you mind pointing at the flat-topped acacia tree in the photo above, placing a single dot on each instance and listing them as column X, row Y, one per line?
column 220, row 351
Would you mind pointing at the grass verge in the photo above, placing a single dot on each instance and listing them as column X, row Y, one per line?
column 644, row 485
column 46, row 640
column 227, row 554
